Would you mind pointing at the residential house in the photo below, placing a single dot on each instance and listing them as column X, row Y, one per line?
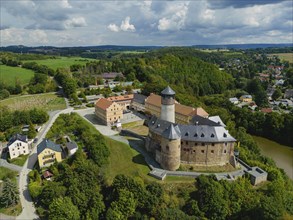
column 71, row 147
column 246, row 98
column 234, row 100
column 183, row 113
column 266, row 110
column 18, row 145
column 288, row 94
column 48, row 153
column 107, row 111
column 124, row 100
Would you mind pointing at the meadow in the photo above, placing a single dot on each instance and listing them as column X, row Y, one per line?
column 9, row 75
column 62, row 62
column 284, row 56
column 46, row 101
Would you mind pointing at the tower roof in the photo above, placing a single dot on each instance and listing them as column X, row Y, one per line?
column 168, row 91
column 172, row 132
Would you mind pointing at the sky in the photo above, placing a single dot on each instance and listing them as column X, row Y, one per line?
column 144, row 23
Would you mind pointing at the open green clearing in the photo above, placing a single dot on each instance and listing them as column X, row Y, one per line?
column 46, row 101
column 284, row 56
column 9, row 75
column 19, row 161
column 62, row 62
column 7, row 173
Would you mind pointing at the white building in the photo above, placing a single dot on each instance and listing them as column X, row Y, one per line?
column 18, row 145
column 71, row 147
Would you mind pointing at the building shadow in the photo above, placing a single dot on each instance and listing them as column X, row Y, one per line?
column 93, row 119
column 32, row 161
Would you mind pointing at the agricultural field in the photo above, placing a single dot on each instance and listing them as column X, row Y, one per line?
column 284, row 56
column 46, row 101
column 62, row 62
column 9, row 75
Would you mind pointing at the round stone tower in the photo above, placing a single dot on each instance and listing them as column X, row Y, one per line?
column 168, row 105
column 171, row 148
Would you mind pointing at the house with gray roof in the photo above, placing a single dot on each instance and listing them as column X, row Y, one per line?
column 48, row 153
column 18, row 145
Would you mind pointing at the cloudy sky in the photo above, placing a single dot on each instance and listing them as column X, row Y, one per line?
column 156, row 22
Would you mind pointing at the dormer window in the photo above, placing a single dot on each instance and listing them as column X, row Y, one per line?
column 153, row 122
column 186, row 134
column 195, row 135
column 212, row 135
column 158, row 125
column 225, row 135
column 202, row 135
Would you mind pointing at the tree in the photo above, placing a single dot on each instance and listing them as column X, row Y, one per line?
column 9, row 195
column 63, row 209
column 123, row 207
column 210, row 198
column 31, row 131
column 277, row 94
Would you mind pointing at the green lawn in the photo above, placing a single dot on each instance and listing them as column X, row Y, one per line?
column 125, row 160
column 62, row 62
column 7, row 173
column 19, row 161
column 47, row 101
column 9, row 75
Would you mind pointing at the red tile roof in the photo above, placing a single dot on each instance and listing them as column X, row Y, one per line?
column 103, row 103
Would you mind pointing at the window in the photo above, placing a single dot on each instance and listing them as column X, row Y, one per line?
column 20, row 144
column 195, row 135
column 167, row 148
column 212, row 135
column 226, row 144
column 202, row 151
column 186, row 134
column 213, row 144
column 202, row 144
column 225, row 151
column 212, row 151
column 195, row 144
column 202, row 135
column 193, row 151
column 225, row 135
column 186, row 142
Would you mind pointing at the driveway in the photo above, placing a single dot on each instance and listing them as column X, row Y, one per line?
column 89, row 115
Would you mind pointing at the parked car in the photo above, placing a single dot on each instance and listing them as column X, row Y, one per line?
column 36, row 140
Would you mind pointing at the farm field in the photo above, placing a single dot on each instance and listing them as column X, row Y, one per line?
column 284, row 56
column 62, row 62
column 46, row 101
column 9, row 75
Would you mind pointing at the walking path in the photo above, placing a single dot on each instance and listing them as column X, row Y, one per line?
column 4, row 163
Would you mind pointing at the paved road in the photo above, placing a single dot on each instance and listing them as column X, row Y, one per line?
column 4, row 163
column 28, row 211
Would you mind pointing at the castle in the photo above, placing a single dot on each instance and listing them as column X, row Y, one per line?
column 203, row 142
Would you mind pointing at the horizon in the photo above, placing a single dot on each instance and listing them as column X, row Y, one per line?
column 68, row 23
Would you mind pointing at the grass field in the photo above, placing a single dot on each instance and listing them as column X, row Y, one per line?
column 284, row 56
column 7, row 173
column 9, row 75
column 62, row 62
column 46, row 101
column 125, row 160
column 19, row 161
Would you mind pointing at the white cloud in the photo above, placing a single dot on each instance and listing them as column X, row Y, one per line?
column 38, row 36
column 126, row 26
column 113, row 27
column 75, row 22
